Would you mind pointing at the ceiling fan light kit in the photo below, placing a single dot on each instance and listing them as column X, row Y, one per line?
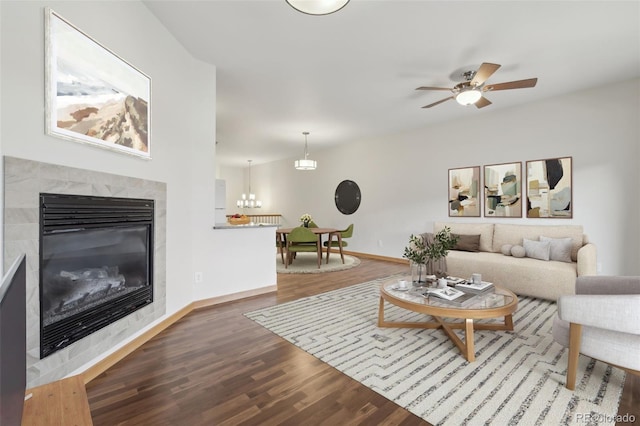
column 468, row 97
column 317, row 7
column 305, row 163
column 471, row 90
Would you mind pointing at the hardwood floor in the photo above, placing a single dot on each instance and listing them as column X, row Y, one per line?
column 216, row 367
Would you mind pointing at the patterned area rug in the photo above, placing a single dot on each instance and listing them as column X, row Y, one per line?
column 307, row 263
column 517, row 379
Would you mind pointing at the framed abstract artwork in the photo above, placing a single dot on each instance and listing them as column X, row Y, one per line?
column 503, row 190
column 549, row 188
column 92, row 95
column 464, row 188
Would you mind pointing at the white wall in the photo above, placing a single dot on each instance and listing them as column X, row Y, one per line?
column 404, row 177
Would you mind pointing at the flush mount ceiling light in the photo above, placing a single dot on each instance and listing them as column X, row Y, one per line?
column 305, row 163
column 317, row 7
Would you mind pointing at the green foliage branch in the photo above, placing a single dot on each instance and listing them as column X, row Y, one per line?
column 443, row 241
column 418, row 251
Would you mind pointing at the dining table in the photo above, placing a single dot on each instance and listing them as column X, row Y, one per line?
column 281, row 234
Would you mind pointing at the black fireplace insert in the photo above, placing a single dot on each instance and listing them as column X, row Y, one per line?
column 96, row 264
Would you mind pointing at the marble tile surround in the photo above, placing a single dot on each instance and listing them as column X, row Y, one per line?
column 24, row 180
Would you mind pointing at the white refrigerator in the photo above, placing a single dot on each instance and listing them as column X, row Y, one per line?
column 221, row 197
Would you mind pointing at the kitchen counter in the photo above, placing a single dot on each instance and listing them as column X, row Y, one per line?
column 241, row 259
column 248, row 225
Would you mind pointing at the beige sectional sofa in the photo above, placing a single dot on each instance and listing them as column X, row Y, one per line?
column 523, row 275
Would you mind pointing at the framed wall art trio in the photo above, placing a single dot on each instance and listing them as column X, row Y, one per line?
column 547, row 192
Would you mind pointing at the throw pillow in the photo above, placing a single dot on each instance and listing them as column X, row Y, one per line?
column 506, row 249
column 517, row 251
column 537, row 249
column 467, row 242
column 560, row 248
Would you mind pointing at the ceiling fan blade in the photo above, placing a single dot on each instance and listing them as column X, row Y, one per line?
column 432, row 88
column 482, row 102
column 484, row 72
column 519, row 84
column 438, row 103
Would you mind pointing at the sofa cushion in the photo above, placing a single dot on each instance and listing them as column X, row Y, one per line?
column 526, row 277
column 514, row 234
column 560, row 248
column 537, row 249
column 518, row 251
column 485, row 230
column 467, row 242
column 506, row 249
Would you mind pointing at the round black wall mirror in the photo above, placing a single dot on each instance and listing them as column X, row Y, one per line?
column 348, row 197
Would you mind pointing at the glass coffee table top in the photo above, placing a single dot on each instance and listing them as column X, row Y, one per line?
column 498, row 298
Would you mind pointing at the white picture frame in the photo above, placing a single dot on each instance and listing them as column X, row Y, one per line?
column 91, row 94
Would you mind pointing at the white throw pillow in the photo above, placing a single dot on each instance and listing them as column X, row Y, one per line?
column 537, row 249
column 506, row 249
column 560, row 248
column 517, row 251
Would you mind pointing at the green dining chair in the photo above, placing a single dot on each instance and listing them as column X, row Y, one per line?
column 345, row 233
column 300, row 239
column 312, row 224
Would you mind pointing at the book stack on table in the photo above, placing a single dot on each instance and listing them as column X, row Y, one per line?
column 473, row 288
column 454, row 281
column 451, row 296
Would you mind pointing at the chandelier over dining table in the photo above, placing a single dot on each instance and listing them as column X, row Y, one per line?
column 248, row 201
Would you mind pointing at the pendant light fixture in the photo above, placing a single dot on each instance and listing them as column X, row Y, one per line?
column 249, row 202
column 317, row 7
column 305, row 163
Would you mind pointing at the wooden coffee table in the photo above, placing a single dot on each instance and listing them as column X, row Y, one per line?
column 501, row 303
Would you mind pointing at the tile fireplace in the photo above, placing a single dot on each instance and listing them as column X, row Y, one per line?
column 24, row 182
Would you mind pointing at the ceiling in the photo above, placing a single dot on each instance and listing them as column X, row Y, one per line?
column 352, row 75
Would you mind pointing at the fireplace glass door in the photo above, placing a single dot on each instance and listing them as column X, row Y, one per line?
column 96, row 267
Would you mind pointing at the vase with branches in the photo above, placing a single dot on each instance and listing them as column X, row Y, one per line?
column 438, row 249
column 416, row 252
column 422, row 253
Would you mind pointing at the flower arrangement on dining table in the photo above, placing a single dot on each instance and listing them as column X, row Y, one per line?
column 306, row 219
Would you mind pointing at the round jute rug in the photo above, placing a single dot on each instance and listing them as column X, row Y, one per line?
column 307, row 263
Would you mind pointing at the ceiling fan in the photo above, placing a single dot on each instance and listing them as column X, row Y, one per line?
column 470, row 91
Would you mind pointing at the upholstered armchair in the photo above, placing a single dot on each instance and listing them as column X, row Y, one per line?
column 602, row 320
column 301, row 239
